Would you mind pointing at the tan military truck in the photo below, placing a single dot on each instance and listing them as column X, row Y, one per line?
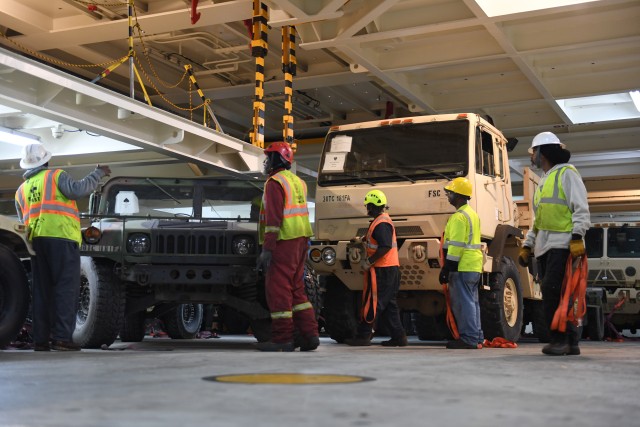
column 14, row 285
column 411, row 160
column 613, row 251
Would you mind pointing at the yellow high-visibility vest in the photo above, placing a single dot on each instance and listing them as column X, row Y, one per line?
column 552, row 211
column 295, row 219
column 45, row 210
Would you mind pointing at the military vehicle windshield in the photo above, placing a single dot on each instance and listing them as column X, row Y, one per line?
column 409, row 152
column 621, row 242
column 170, row 198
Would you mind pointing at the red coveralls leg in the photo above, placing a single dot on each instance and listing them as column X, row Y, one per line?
column 286, row 296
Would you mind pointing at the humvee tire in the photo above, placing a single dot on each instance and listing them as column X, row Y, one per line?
column 183, row 322
column 14, row 295
column 100, row 306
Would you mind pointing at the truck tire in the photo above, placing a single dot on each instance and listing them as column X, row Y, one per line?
column 184, row 321
column 595, row 323
column 133, row 327
column 14, row 295
column 340, row 312
column 312, row 289
column 539, row 322
column 501, row 307
column 433, row 328
column 101, row 304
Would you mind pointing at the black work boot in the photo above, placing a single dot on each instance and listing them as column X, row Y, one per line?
column 395, row 342
column 358, row 341
column 275, row 346
column 559, row 345
column 309, row 343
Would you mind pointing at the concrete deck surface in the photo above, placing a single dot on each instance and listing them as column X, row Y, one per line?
column 159, row 382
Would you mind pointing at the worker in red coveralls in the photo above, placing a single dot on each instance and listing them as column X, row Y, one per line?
column 284, row 232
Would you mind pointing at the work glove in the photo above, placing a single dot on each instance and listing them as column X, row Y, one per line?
column 263, row 261
column 576, row 246
column 449, row 267
column 524, row 255
column 444, row 276
column 365, row 265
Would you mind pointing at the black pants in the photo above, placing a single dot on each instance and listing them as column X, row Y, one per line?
column 56, row 285
column 388, row 280
column 552, row 267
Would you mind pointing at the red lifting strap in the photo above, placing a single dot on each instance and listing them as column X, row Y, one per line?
column 370, row 296
column 572, row 305
column 451, row 320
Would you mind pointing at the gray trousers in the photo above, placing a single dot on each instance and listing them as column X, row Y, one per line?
column 56, row 286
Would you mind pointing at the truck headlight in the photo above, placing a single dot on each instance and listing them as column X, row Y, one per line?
column 329, row 256
column 243, row 245
column 138, row 243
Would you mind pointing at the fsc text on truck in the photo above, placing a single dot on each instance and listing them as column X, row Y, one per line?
column 411, row 160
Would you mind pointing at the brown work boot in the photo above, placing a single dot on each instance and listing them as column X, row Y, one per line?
column 395, row 342
column 275, row 346
column 358, row 341
column 64, row 346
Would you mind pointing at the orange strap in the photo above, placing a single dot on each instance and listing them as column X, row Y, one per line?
column 572, row 305
column 370, row 296
column 451, row 320
column 499, row 342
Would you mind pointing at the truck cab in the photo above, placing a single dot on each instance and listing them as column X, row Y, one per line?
column 411, row 160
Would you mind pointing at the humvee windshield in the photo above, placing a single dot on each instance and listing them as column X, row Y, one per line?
column 207, row 199
column 396, row 153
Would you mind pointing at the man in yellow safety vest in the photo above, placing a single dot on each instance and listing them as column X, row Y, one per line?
column 463, row 265
column 561, row 221
column 45, row 203
column 284, row 231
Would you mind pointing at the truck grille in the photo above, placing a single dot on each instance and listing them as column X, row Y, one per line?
column 179, row 242
column 604, row 277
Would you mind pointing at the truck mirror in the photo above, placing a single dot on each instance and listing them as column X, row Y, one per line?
column 94, row 202
column 511, row 143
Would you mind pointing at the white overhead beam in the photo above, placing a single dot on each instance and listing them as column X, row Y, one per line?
column 24, row 81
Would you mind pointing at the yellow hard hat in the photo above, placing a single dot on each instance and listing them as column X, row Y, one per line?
column 376, row 197
column 460, row 186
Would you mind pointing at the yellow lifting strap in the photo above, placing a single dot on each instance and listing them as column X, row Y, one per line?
column 206, row 101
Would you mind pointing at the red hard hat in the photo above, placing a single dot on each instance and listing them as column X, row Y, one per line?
column 283, row 148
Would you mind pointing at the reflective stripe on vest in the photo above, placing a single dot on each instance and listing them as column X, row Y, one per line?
column 45, row 210
column 551, row 209
column 468, row 253
column 389, row 259
column 295, row 215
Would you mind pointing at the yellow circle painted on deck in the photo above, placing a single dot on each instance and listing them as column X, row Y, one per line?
column 288, row 378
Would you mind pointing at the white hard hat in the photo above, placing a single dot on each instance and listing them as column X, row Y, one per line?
column 545, row 138
column 34, row 155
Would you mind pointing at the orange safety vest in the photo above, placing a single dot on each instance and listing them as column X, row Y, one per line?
column 45, row 210
column 390, row 259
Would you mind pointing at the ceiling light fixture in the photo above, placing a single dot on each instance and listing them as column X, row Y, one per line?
column 15, row 137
